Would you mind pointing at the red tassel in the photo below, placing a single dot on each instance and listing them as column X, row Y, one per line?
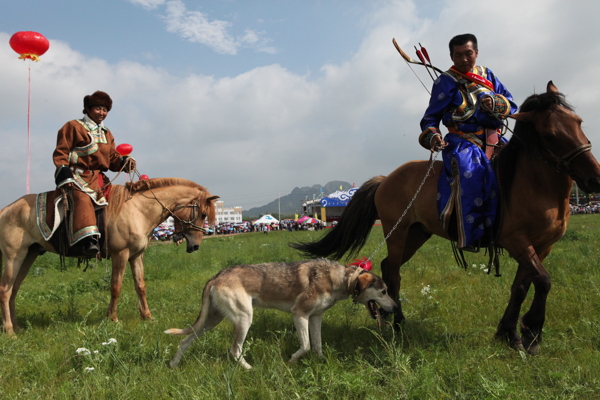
column 365, row 263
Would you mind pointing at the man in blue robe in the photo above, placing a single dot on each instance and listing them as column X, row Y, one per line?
column 471, row 102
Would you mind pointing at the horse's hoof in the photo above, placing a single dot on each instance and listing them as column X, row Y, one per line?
column 519, row 347
column 533, row 349
column 397, row 322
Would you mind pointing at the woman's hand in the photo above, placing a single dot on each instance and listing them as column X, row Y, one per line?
column 128, row 164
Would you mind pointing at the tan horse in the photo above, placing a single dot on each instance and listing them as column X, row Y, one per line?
column 537, row 167
column 132, row 214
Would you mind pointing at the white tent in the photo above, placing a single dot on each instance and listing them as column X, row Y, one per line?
column 266, row 219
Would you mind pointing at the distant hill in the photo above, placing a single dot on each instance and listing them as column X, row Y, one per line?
column 292, row 203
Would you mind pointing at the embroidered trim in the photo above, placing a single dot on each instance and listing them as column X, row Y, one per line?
column 97, row 135
column 454, row 204
column 41, row 212
column 426, row 136
column 469, row 91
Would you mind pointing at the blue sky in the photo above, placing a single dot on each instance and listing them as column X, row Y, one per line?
column 254, row 98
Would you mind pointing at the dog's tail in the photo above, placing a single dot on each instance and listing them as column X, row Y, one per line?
column 175, row 331
column 201, row 320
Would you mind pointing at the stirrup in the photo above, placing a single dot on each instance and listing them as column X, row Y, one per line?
column 470, row 249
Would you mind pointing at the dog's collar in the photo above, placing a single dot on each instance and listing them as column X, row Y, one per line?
column 355, row 291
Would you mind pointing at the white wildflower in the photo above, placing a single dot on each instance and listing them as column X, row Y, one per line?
column 426, row 290
column 89, row 369
column 110, row 341
column 83, row 351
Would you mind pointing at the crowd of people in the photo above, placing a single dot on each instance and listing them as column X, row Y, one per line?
column 165, row 230
column 585, row 208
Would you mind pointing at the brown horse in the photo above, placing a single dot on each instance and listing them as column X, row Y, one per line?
column 547, row 151
column 132, row 214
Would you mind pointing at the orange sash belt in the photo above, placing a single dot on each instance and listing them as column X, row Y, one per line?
column 491, row 138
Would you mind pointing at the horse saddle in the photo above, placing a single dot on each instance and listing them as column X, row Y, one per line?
column 52, row 215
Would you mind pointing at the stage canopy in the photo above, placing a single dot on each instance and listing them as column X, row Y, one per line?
column 338, row 199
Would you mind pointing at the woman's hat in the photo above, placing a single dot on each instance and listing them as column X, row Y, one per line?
column 97, row 99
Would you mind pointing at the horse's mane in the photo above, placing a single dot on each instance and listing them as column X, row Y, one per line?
column 119, row 194
column 524, row 138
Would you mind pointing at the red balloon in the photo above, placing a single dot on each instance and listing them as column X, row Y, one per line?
column 124, row 149
column 29, row 44
column 144, row 177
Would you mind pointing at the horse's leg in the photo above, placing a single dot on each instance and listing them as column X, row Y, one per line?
column 137, row 269
column 402, row 245
column 507, row 328
column 23, row 271
column 530, row 271
column 13, row 260
column 533, row 320
column 119, row 262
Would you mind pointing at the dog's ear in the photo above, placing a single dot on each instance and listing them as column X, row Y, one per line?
column 364, row 280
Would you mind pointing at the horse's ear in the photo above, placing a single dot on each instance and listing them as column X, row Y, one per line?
column 211, row 198
column 523, row 116
column 550, row 88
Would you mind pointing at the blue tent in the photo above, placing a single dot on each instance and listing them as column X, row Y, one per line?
column 338, row 199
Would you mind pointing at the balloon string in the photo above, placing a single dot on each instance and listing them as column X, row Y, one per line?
column 28, row 127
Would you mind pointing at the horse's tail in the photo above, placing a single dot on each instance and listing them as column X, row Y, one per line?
column 353, row 228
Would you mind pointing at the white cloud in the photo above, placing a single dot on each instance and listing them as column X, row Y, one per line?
column 196, row 27
column 148, row 4
column 269, row 130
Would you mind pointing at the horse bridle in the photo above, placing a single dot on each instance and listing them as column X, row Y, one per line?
column 563, row 164
column 192, row 218
column 190, row 222
column 560, row 164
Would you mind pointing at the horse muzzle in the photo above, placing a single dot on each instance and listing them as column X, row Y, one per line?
column 590, row 185
column 192, row 244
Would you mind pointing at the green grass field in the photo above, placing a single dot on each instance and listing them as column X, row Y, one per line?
column 445, row 350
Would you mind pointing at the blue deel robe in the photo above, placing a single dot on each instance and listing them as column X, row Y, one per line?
column 471, row 190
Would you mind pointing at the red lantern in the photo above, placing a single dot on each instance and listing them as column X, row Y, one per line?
column 29, row 45
column 144, row 177
column 124, row 149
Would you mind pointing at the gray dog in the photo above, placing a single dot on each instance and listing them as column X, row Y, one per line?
column 304, row 288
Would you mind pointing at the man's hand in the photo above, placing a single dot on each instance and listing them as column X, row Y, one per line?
column 487, row 104
column 437, row 143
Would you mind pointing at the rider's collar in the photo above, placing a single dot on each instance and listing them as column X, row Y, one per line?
column 91, row 124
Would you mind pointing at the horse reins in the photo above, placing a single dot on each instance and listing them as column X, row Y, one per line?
column 193, row 213
column 194, row 206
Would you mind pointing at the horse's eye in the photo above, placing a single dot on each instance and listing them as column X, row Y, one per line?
column 383, row 292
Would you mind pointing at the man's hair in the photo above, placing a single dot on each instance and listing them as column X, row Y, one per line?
column 460, row 40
